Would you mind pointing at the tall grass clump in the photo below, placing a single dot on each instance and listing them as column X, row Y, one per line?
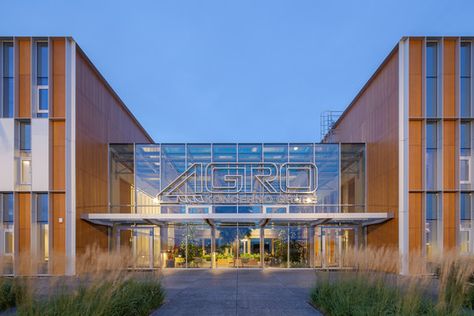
column 442, row 285
column 104, row 285
column 120, row 297
column 355, row 296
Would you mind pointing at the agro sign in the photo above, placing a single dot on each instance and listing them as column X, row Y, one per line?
column 244, row 183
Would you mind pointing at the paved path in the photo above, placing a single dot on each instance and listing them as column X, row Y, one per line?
column 237, row 292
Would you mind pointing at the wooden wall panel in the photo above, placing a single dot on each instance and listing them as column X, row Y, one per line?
column 416, row 70
column 58, row 77
column 415, row 154
column 58, row 155
column 373, row 118
column 23, row 216
column 101, row 118
column 58, row 212
column 415, row 213
column 450, row 155
column 23, row 81
column 449, row 77
column 450, row 206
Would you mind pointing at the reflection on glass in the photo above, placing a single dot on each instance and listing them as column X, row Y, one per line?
column 6, row 229
column 431, row 155
column 432, row 224
column 465, row 84
column 7, row 100
column 466, row 225
column 175, row 250
column 227, row 241
column 276, row 245
column 199, row 248
column 42, row 238
column 299, row 246
column 353, row 178
column 431, row 79
column 121, row 179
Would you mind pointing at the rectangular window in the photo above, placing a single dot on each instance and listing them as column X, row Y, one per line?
column 465, row 157
column 431, row 155
column 25, row 172
column 6, row 232
column 432, row 224
column 431, row 79
column 42, row 80
column 25, row 136
column 7, row 80
column 465, row 82
column 466, row 223
column 42, row 238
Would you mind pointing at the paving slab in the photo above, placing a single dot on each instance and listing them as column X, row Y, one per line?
column 237, row 292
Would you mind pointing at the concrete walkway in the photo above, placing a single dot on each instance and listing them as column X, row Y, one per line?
column 237, row 292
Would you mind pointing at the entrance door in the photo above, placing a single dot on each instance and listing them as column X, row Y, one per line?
column 336, row 243
column 139, row 243
column 238, row 246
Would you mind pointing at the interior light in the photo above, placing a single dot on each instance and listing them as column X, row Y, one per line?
column 156, row 201
column 295, row 148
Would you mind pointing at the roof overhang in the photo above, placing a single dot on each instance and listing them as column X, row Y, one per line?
column 364, row 219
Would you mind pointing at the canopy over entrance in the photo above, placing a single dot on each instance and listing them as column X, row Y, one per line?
column 364, row 219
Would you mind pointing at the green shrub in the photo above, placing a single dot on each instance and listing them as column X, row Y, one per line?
column 356, row 296
column 129, row 297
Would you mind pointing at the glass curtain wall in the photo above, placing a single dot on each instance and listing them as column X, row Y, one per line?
column 353, row 178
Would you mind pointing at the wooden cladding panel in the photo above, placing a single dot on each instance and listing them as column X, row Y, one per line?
column 415, row 219
column 449, row 76
column 373, row 118
column 58, row 82
column 415, row 154
column 58, row 211
column 23, row 233
column 450, row 206
column 415, row 78
column 100, row 119
column 450, row 155
column 23, row 81
column 58, row 155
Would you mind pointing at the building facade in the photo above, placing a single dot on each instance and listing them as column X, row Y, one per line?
column 415, row 115
column 78, row 170
column 57, row 117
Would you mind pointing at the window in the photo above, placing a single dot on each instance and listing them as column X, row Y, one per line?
column 25, row 152
column 431, row 79
column 25, row 171
column 466, row 224
column 431, row 155
column 42, row 238
column 465, row 82
column 7, row 84
column 25, row 136
column 432, row 224
column 465, row 158
column 6, row 232
column 42, row 65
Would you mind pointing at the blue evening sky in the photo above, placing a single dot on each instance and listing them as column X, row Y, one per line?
column 247, row 70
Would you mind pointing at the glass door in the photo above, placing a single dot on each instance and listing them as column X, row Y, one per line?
column 337, row 243
column 139, row 244
column 238, row 246
column 331, row 247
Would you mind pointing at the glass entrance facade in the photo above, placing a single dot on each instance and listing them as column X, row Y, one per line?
column 237, row 205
